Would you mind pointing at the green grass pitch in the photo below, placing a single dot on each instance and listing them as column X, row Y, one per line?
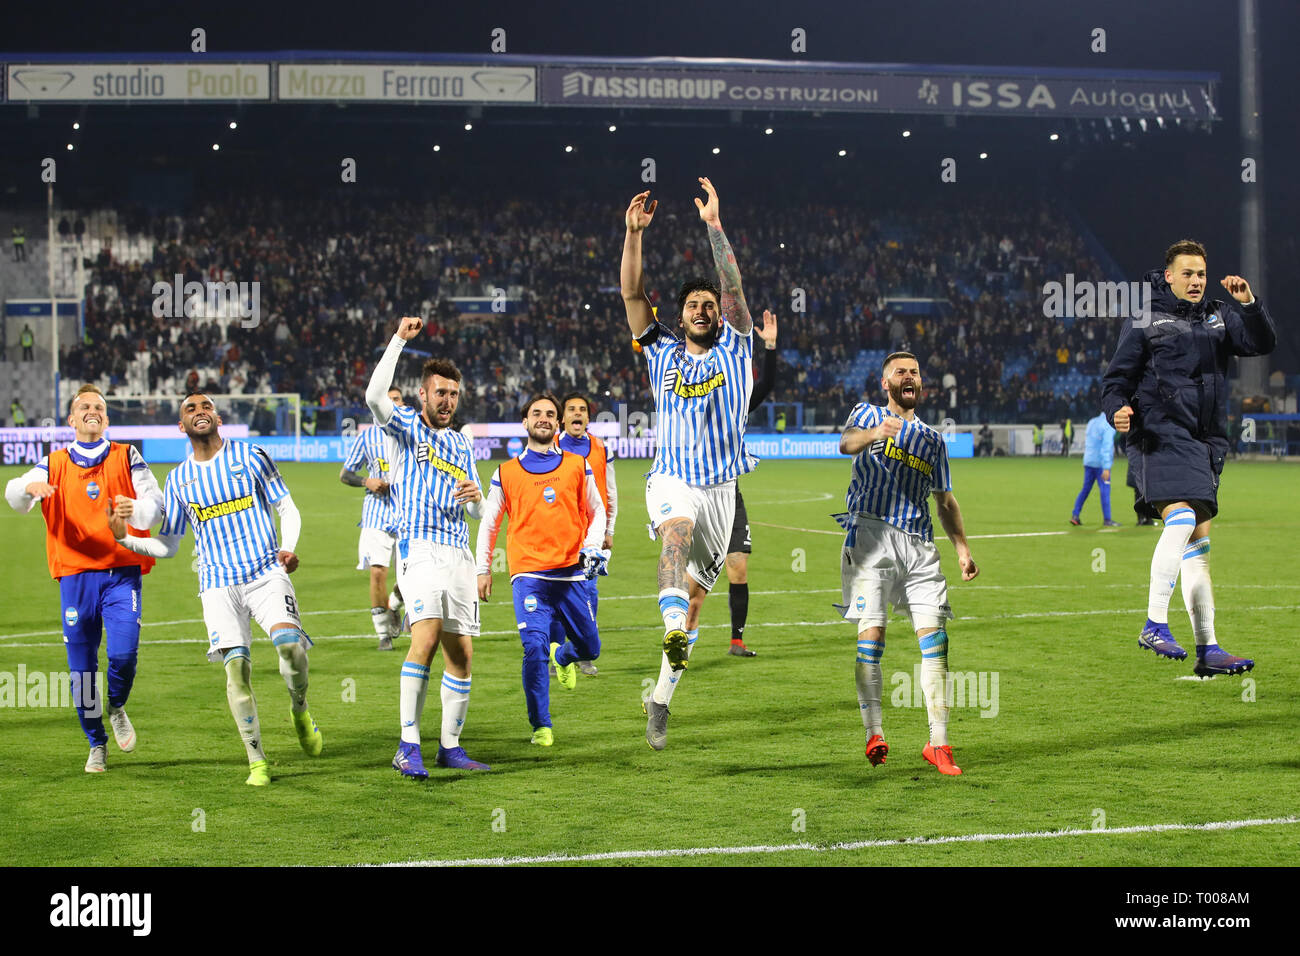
column 1088, row 729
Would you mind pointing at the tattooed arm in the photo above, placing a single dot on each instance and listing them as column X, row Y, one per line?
column 733, row 307
column 640, row 315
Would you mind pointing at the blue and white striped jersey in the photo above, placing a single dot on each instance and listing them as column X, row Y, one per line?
column 228, row 499
column 894, row 478
column 373, row 449
column 702, row 404
column 427, row 463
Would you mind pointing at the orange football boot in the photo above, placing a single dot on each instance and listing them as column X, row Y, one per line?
column 941, row 757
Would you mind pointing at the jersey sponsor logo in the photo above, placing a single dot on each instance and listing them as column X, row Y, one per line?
column 92, row 491
column 530, row 603
column 220, row 509
column 887, row 449
column 381, row 464
column 549, row 494
column 673, row 383
column 70, row 616
column 425, row 455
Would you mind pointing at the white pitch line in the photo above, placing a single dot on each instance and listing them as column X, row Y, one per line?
column 643, row 597
column 839, row 847
column 837, row 622
column 969, row 537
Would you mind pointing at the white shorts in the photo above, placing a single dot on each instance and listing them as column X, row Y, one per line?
column 438, row 581
column 228, row 612
column 888, row 565
column 375, row 549
column 711, row 508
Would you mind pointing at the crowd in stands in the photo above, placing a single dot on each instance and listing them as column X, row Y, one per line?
column 336, row 274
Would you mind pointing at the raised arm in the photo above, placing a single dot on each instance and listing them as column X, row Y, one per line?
column 1249, row 328
column 767, row 377
column 381, row 406
column 856, row 437
column 733, row 307
column 639, row 313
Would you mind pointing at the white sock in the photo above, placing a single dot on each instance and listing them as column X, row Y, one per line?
column 934, row 684
column 410, row 706
column 379, row 620
column 668, row 678
column 868, row 678
column 293, row 668
column 1198, row 596
column 1166, row 561
column 243, row 706
column 673, row 603
column 455, row 705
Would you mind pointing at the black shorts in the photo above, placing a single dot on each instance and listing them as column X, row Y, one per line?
column 740, row 543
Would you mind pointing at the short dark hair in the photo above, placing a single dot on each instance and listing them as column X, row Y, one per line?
column 894, row 357
column 88, row 387
column 570, row 397
column 1183, row 247
column 443, row 367
column 400, row 397
column 700, row 284
column 192, row 392
column 538, row 397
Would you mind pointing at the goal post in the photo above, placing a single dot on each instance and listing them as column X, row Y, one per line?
column 273, row 413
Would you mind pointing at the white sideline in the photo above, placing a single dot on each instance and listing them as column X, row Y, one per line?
column 837, row 622
column 835, row 847
column 969, row 537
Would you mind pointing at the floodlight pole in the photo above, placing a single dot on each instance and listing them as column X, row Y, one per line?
column 1252, row 372
column 54, row 302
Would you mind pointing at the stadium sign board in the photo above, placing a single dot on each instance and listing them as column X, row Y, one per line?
column 406, row 83
column 982, row 93
column 136, row 82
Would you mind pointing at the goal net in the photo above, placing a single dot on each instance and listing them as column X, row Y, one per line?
column 276, row 414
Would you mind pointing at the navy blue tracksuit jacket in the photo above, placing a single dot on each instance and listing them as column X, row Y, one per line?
column 1172, row 370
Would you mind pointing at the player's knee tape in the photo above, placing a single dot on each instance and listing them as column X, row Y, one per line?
column 870, row 651
column 934, row 646
column 283, row 637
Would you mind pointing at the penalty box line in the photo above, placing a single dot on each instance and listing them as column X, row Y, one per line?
column 1220, row 825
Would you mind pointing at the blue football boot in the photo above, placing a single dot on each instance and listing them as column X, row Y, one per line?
column 1156, row 637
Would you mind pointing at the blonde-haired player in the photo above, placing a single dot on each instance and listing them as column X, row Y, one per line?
column 79, row 487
